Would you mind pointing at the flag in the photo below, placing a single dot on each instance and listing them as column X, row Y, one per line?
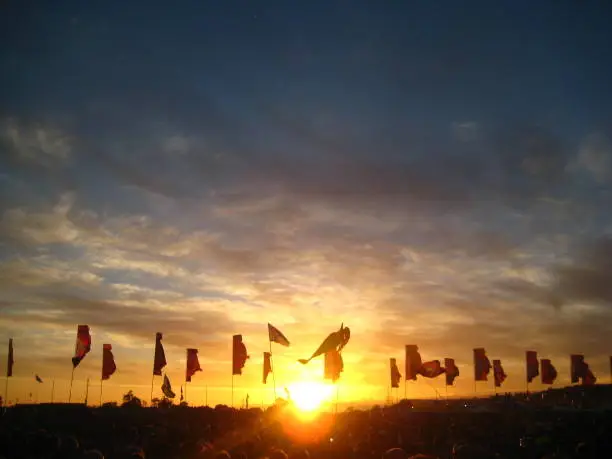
column 275, row 336
column 482, row 365
column 532, row 365
column 335, row 341
column 10, row 361
column 83, row 345
column 239, row 355
column 267, row 366
column 580, row 370
column 549, row 372
column 108, row 361
column 333, row 365
column 576, row 362
column 413, row 362
column 431, row 369
column 167, row 388
column 193, row 364
column 498, row 373
column 38, row 379
column 159, row 361
column 451, row 371
column 395, row 373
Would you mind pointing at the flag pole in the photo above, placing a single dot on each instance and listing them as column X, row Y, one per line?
column 71, row 380
column 272, row 368
column 337, row 390
column 186, row 392
column 152, row 381
column 6, row 391
column 52, row 390
column 86, row 391
column 232, row 389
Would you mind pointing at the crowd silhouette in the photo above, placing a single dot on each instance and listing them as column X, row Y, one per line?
column 556, row 424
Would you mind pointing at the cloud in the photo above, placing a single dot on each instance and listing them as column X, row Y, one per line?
column 35, row 143
column 26, row 227
column 595, row 157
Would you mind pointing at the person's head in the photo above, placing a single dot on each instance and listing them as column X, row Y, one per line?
column 299, row 453
column 395, row 453
column 278, row 454
column 92, row 454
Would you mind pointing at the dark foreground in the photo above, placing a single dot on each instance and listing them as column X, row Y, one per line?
column 505, row 430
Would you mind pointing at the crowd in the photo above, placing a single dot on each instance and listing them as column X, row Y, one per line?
column 394, row 432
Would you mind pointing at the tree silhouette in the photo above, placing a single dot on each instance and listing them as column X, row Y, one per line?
column 129, row 399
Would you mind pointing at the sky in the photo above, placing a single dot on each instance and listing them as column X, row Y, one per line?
column 429, row 173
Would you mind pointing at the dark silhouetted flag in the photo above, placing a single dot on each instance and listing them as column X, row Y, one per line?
column 83, row 345
column 193, row 364
column 239, row 355
column 451, row 371
column 38, row 379
column 580, row 370
column 498, row 373
column 549, row 372
column 167, row 388
column 532, row 365
column 431, row 369
column 11, row 360
column 588, row 379
column 267, row 366
column 482, row 365
column 108, row 361
column 395, row 373
column 413, row 362
column 159, row 361
column 333, row 365
column 275, row 336
column 335, row 341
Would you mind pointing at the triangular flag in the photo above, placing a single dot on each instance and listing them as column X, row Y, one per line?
column 275, row 336
column 83, row 345
column 108, row 361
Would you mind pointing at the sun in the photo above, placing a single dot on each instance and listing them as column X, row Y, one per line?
column 308, row 396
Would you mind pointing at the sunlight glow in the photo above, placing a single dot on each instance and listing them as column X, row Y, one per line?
column 308, row 396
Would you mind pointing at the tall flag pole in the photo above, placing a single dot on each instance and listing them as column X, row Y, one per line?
column 499, row 375
column 482, row 365
column 549, row 372
column 191, row 366
column 395, row 375
column 9, row 369
column 108, row 365
column 413, row 363
column 81, row 349
column 580, row 371
column 275, row 335
column 86, row 391
column 451, row 373
column 52, row 389
column 532, row 366
column 239, row 358
column 159, row 360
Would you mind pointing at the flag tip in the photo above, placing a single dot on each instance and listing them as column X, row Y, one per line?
column 303, row 361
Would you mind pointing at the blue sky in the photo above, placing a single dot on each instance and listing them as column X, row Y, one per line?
column 429, row 174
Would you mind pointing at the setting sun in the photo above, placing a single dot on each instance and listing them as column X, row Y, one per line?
column 309, row 396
